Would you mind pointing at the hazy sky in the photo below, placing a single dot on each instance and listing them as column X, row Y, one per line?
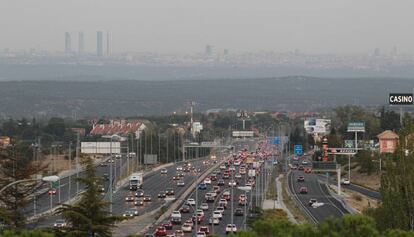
column 313, row 26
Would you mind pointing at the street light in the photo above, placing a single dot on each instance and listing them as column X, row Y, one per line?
column 52, row 178
column 246, row 189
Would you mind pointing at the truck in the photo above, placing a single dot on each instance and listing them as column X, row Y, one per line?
column 135, row 181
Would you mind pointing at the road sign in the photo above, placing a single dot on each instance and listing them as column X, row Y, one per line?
column 298, row 149
column 342, row 151
column 356, row 127
column 208, row 143
column 55, row 184
column 349, row 143
column 324, row 165
column 274, row 140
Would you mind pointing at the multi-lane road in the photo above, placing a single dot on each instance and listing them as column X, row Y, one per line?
column 329, row 206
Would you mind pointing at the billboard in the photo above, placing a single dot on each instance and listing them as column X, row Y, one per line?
column 150, row 159
column 243, row 134
column 321, row 126
column 100, row 147
column 400, row 98
column 356, row 127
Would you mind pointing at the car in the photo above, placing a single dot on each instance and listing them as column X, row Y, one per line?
column 301, row 179
column 301, row 167
column 178, row 233
column 275, row 162
column 130, row 213
column 186, row 228
column 111, row 161
column 169, row 191
column 226, row 176
column 105, row 177
column 238, row 212
column 164, row 171
column 161, row 194
column 180, row 183
column 204, row 206
column 216, row 189
column 201, row 234
column 176, row 214
column 312, row 201
column 139, row 202
column 103, row 164
column 226, row 195
column 220, row 208
column 118, row 156
column 147, row 198
column 200, row 211
column 198, row 217
column 213, row 194
column 139, row 193
column 294, row 167
column 168, row 225
column 232, row 168
column 190, row 222
column 223, row 202
column 232, row 183
column 345, row 181
column 179, row 168
column 307, row 170
column 180, row 175
column 202, row 186
column 129, row 198
column 161, row 231
column 222, row 167
column 214, row 221
column 185, row 208
column 101, row 189
column 191, row 202
column 205, row 229
column 305, row 162
column 207, row 181
column 52, row 191
column 213, row 177
column 231, row 228
column 60, row 223
column 175, row 220
column 237, row 176
column 303, row 190
column 220, row 182
column 217, row 214
column 175, row 177
column 209, row 197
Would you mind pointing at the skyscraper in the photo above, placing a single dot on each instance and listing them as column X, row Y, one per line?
column 68, row 43
column 108, row 44
column 81, row 43
column 209, row 50
column 99, row 44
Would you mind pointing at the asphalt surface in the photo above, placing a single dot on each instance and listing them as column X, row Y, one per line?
column 199, row 196
column 331, row 207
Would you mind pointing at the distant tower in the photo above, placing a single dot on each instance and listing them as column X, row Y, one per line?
column 109, row 44
column 99, row 44
column 209, row 50
column 68, row 43
column 225, row 52
column 81, row 43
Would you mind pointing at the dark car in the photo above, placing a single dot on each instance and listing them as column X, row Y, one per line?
column 170, row 191
column 312, row 201
column 105, row 177
column 139, row 193
column 147, row 198
column 139, row 202
column 213, row 177
column 176, row 220
column 301, row 179
column 301, row 167
column 221, row 182
column 185, row 209
column 202, row 186
column 239, row 212
column 168, row 225
column 303, row 190
column 161, row 194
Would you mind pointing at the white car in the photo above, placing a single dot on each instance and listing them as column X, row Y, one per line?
column 191, row 202
column 232, row 168
column 214, row 221
column 186, row 228
column 218, row 215
column 164, row 171
column 176, row 214
column 60, row 223
column 180, row 183
column 224, row 201
column 204, row 206
column 305, row 162
column 220, row 209
column 179, row 168
column 201, row 234
column 231, row 228
column 200, row 212
column 213, row 194
column 345, row 181
column 237, row 176
column 222, row 167
column 207, row 181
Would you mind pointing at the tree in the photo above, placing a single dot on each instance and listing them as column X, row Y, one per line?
column 56, row 127
column 14, row 167
column 89, row 217
column 397, row 187
column 26, row 233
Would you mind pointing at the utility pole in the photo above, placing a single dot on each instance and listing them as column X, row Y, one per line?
column 70, row 168
column 168, row 136
column 110, row 178
column 159, row 146
column 77, row 163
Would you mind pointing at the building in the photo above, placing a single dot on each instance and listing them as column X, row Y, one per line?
column 118, row 127
column 387, row 141
column 68, row 43
column 99, row 44
column 109, row 44
column 81, row 43
column 209, row 51
column 4, row 141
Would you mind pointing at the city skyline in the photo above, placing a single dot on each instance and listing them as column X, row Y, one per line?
column 182, row 26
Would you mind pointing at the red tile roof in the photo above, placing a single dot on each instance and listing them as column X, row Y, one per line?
column 118, row 127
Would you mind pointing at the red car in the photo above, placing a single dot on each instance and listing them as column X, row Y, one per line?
column 52, row 191
column 204, row 229
column 301, row 179
column 303, row 190
column 161, row 231
column 307, row 170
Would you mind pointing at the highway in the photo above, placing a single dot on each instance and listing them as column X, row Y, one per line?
column 199, row 196
column 317, row 190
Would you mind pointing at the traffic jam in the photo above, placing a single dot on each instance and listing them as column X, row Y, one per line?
column 218, row 205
